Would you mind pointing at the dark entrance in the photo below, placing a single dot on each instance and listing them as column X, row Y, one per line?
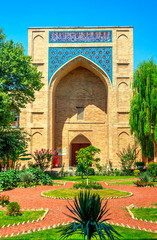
column 76, row 147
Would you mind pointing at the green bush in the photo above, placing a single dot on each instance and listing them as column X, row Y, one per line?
column 90, row 185
column 145, row 176
column 9, row 179
column 40, row 176
column 13, row 209
column 26, row 177
column 136, row 173
column 139, row 165
column 152, row 169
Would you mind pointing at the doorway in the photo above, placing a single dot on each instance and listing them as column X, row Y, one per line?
column 76, row 147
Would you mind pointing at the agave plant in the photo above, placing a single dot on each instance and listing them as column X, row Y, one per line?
column 89, row 215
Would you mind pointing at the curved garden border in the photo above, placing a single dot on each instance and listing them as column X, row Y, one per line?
column 132, row 215
column 65, row 198
column 39, row 219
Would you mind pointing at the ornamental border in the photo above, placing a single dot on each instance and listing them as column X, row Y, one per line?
column 68, row 198
column 110, row 41
column 64, row 224
column 33, row 221
column 133, row 216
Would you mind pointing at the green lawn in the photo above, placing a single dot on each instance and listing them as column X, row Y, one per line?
column 93, row 178
column 150, row 214
column 53, row 234
column 26, row 215
column 122, row 183
column 125, row 183
column 71, row 193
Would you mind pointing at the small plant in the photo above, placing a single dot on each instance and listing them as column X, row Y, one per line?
column 145, row 180
column 152, row 169
column 91, row 185
column 136, row 173
column 127, row 157
column 4, row 200
column 62, row 172
column 90, row 216
column 13, row 209
column 26, row 177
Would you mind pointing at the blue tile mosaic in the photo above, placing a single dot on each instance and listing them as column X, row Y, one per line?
column 79, row 36
column 102, row 56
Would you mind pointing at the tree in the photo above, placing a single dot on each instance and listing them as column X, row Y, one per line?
column 143, row 113
column 19, row 79
column 89, row 215
column 12, row 144
column 86, row 156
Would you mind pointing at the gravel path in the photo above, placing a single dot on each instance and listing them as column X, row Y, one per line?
column 30, row 198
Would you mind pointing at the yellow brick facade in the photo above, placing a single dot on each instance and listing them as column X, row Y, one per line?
column 52, row 119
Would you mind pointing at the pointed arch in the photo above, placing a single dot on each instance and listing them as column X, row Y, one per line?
column 83, row 62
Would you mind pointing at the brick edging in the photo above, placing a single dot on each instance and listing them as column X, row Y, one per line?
column 132, row 215
column 39, row 219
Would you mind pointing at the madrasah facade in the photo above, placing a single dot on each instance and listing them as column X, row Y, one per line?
column 87, row 74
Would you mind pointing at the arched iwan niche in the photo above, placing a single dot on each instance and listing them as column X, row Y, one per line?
column 123, row 140
column 36, row 141
column 123, row 48
column 38, row 48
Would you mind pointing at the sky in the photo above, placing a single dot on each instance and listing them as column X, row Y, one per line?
column 16, row 16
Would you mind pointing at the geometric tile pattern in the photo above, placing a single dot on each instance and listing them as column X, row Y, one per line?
column 79, row 36
column 102, row 56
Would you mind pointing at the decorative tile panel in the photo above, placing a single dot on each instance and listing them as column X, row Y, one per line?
column 102, row 56
column 79, row 36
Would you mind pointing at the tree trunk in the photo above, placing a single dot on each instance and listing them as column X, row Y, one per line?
column 87, row 175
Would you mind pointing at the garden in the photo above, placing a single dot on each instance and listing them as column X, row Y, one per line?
column 97, row 185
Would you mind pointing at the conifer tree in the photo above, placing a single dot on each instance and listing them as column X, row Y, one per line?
column 143, row 113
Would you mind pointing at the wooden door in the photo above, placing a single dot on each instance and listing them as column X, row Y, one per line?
column 76, row 147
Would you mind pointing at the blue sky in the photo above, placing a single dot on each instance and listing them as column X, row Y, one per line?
column 16, row 16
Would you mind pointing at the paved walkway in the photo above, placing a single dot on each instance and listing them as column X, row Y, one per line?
column 30, row 198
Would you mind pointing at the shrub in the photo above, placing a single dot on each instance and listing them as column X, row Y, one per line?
column 136, row 172
column 40, row 176
column 152, row 169
column 145, row 176
column 26, row 177
column 127, row 157
column 90, row 185
column 13, row 209
column 91, row 171
column 9, row 179
column 81, row 170
column 43, row 158
column 139, row 165
column 140, row 183
column 4, row 200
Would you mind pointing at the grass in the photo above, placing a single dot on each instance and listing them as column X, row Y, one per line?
column 122, row 183
column 26, row 215
column 93, row 178
column 125, row 183
column 71, row 193
column 150, row 214
column 54, row 234
column 58, row 184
